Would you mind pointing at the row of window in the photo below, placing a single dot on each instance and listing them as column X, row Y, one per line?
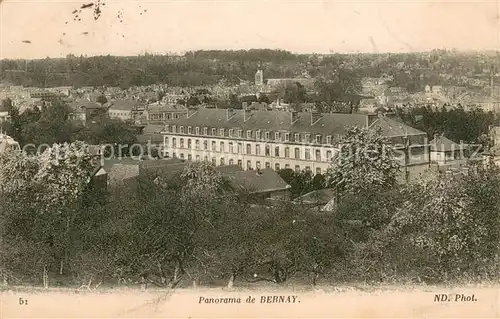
column 250, row 134
column 222, row 161
column 278, row 151
column 163, row 116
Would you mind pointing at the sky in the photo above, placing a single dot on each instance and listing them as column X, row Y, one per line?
column 46, row 28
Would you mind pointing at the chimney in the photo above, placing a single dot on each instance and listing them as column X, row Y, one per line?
column 247, row 113
column 230, row 113
column 294, row 116
column 315, row 117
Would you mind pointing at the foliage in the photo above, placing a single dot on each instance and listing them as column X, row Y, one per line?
column 365, row 161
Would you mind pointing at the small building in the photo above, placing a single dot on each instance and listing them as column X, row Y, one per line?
column 7, row 143
column 444, row 150
column 123, row 109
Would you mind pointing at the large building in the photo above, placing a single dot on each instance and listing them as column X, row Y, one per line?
column 277, row 139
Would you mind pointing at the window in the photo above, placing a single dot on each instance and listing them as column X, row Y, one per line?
column 190, row 157
column 231, row 132
column 222, row 161
column 328, row 139
column 277, row 136
column 297, row 168
column 205, row 158
column 189, row 143
column 318, row 170
column 231, row 149
column 308, row 168
column 268, row 151
column 205, row 145
column 257, row 149
column 287, row 166
column 165, row 141
column 182, row 129
column 222, row 146
column 174, row 155
column 197, row 158
column 328, row 155
column 287, row 137
column 257, row 164
column 174, row 142
column 277, row 151
column 240, row 148
column 182, row 156
column 174, row 128
column 249, row 134
column 197, row 144
column 277, row 166
column 318, row 139
column 167, row 155
column 296, row 137
column 239, row 133
column 189, row 129
column 214, row 161
column 308, row 154
column 249, row 165
column 240, row 163
column 268, row 165
column 205, row 131
column 307, row 138
column 214, row 147
column 182, row 142
column 167, row 128
column 297, row 152
column 287, row 152
column 197, row 130
column 257, row 135
column 249, row 149
column 231, row 161
column 176, row 116
column 168, row 116
column 221, row 132
column 213, row 131
column 267, row 135
column 318, row 155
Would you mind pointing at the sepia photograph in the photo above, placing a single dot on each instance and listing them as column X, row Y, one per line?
column 248, row 159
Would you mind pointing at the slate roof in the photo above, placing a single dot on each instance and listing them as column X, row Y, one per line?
column 124, row 105
column 443, row 144
column 322, row 196
column 266, row 180
column 328, row 123
column 120, row 172
column 391, row 127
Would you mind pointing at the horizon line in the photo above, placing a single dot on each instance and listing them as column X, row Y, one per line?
column 330, row 53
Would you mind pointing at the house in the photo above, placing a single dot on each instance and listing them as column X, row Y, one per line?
column 4, row 114
column 7, row 143
column 444, row 150
column 87, row 111
column 124, row 110
column 317, row 199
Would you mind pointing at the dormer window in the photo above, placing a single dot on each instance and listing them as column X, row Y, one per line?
column 182, row 129
column 174, row 128
column 213, row 131
column 249, row 134
column 257, row 134
column 221, row 132
column 267, row 135
column 205, row 131
column 197, row 130
column 239, row 133
column 189, row 129
column 328, row 139
column 307, row 138
column 277, row 136
column 231, row 132
column 297, row 137
column 167, row 128
column 318, row 139
column 287, row 137
column 176, row 116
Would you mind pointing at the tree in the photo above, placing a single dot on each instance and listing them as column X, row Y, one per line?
column 366, row 161
column 101, row 99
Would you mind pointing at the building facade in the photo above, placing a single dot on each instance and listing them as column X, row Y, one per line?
column 272, row 139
